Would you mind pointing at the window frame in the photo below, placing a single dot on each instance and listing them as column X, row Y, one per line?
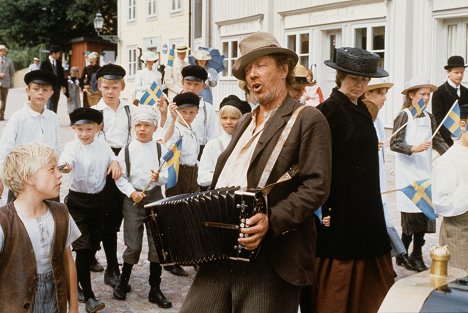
column 132, row 61
column 152, row 9
column 298, row 45
column 228, row 58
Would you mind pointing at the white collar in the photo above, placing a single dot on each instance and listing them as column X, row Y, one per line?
column 31, row 112
column 451, row 83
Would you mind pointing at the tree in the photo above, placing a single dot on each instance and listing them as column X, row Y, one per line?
column 28, row 23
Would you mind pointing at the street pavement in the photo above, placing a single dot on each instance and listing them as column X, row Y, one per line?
column 174, row 287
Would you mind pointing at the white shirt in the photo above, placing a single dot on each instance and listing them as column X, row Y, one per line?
column 210, row 155
column 28, row 126
column 239, row 160
column 143, row 159
column 173, row 76
column 143, row 80
column 41, row 232
column 34, row 67
column 89, row 164
column 450, row 181
column 190, row 147
column 206, row 123
column 116, row 124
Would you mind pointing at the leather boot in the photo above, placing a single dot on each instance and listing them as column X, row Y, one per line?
column 156, row 296
column 92, row 305
column 403, row 260
column 111, row 276
column 120, row 290
column 176, row 270
column 418, row 262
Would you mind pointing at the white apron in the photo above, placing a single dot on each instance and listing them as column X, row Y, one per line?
column 416, row 166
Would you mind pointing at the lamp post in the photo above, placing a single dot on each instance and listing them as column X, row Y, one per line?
column 98, row 24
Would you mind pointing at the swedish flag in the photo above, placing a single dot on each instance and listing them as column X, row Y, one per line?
column 172, row 157
column 171, row 57
column 151, row 95
column 420, row 193
column 452, row 121
column 418, row 108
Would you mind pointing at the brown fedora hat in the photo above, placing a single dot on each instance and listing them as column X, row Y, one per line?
column 356, row 61
column 255, row 46
column 455, row 61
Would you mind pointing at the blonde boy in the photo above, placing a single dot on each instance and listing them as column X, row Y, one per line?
column 37, row 271
column 42, row 124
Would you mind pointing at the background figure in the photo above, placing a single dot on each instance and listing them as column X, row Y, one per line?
column 146, row 76
column 375, row 98
column 34, row 65
column 230, row 111
column 53, row 65
column 173, row 74
column 313, row 94
column 354, row 267
column 201, row 58
column 73, row 90
column 413, row 161
column 7, row 70
column 449, row 190
column 91, row 93
column 446, row 94
column 297, row 89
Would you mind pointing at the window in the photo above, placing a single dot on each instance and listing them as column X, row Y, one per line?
column 300, row 44
column 176, row 5
column 372, row 39
column 198, row 20
column 231, row 53
column 131, row 10
column 132, row 61
column 151, row 8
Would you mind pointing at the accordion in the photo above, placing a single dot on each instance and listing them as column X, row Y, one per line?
column 203, row 227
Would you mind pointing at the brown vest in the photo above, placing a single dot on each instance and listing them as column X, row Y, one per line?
column 18, row 264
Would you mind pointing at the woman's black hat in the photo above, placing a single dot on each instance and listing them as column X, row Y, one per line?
column 356, row 61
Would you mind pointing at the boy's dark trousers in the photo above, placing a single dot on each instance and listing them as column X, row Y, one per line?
column 186, row 182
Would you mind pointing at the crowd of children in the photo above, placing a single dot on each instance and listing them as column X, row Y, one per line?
column 115, row 166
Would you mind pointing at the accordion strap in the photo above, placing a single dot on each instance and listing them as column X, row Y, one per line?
column 279, row 145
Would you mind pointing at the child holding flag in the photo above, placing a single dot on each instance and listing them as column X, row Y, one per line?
column 413, row 162
column 143, row 174
column 145, row 77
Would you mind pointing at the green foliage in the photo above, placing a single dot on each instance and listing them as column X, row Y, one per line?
column 23, row 57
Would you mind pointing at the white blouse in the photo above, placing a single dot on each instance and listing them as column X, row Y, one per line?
column 210, row 155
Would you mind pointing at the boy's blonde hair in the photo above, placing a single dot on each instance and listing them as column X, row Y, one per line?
column 25, row 161
column 230, row 109
column 114, row 81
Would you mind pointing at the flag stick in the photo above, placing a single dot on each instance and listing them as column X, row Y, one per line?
column 389, row 191
column 150, row 181
column 441, row 123
column 186, row 124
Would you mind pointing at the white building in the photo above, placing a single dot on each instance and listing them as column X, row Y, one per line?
column 413, row 37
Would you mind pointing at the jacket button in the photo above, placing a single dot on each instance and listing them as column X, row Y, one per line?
column 26, row 306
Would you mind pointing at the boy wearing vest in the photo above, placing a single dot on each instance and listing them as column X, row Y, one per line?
column 42, row 124
column 116, row 130
column 89, row 160
column 37, row 272
column 141, row 160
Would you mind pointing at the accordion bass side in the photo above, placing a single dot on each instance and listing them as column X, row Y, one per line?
column 203, row 227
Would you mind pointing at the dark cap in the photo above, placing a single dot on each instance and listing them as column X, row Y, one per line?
column 233, row 100
column 85, row 116
column 187, row 99
column 55, row 49
column 464, row 111
column 194, row 72
column 455, row 61
column 111, row 72
column 40, row 77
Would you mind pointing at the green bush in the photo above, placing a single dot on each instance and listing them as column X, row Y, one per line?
column 22, row 57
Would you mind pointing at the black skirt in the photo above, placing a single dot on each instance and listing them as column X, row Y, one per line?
column 413, row 223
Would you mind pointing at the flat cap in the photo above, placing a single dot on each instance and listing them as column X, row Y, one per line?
column 40, row 77
column 85, row 116
column 234, row 100
column 187, row 99
column 111, row 72
column 194, row 72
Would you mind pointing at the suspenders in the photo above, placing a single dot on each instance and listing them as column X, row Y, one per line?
column 129, row 121
column 127, row 157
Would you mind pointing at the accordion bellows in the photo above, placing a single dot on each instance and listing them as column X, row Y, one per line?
column 203, row 227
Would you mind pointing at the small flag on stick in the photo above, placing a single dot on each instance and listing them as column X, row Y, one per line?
column 418, row 108
column 152, row 95
column 172, row 157
column 171, row 57
column 452, row 122
column 420, row 193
